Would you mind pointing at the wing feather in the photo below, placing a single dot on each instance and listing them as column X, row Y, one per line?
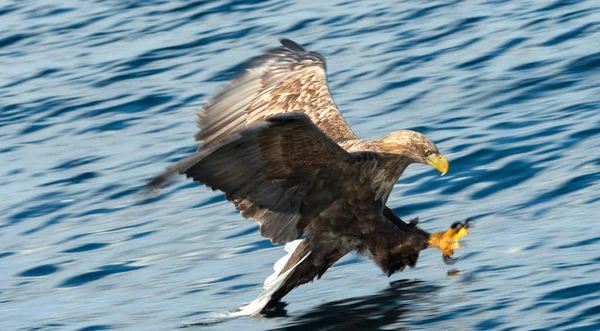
column 269, row 169
column 283, row 80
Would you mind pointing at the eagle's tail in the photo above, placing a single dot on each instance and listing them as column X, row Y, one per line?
column 274, row 282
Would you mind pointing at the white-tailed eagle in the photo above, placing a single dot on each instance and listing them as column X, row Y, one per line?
column 275, row 143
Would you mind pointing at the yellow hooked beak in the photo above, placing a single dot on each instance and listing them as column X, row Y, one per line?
column 438, row 161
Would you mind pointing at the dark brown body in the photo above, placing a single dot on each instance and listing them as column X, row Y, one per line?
column 327, row 247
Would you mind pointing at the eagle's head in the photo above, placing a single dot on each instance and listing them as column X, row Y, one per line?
column 416, row 147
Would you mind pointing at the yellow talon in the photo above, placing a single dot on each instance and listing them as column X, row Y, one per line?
column 447, row 241
column 456, row 245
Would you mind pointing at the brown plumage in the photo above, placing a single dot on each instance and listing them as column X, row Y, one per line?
column 275, row 143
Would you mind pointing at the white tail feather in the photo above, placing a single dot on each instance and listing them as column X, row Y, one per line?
column 272, row 283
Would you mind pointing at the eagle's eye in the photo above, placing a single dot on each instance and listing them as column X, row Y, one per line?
column 428, row 152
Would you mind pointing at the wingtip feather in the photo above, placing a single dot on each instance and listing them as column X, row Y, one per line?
column 292, row 45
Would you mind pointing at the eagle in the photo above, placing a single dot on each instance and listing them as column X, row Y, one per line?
column 277, row 146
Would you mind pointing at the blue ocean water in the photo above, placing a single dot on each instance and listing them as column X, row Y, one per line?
column 98, row 96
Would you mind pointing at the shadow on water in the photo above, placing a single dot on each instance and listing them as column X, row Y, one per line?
column 388, row 307
column 366, row 312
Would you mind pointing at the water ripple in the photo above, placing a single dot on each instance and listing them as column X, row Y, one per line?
column 92, row 276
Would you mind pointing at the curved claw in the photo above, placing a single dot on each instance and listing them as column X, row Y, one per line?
column 469, row 222
column 450, row 260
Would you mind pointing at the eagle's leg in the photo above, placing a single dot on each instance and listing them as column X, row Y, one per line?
column 447, row 241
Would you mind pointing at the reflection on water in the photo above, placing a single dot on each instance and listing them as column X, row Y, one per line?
column 384, row 308
column 98, row 96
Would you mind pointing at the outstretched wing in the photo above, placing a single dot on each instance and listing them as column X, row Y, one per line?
column 281, row 172
column 283, row 80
